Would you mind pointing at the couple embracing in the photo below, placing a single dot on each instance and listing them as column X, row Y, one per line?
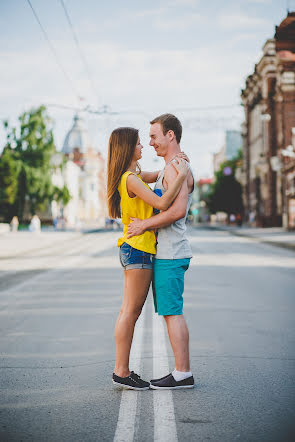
column 144, row 257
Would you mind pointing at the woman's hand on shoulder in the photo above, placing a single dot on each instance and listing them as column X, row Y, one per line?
column 181, row 166
column 183, row 156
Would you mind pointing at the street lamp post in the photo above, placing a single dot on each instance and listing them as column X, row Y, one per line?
column 277, row 165
column 260, row 167
column 265, row 118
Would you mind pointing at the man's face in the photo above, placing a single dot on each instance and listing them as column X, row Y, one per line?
column 158, row 140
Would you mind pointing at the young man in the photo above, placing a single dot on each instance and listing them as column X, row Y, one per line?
column 173, row 251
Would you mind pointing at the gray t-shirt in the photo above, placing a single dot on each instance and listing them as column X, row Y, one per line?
column 172, row 240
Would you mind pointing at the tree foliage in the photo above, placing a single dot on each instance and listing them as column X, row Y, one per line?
column 226, row 193
column 10, row 168
column 26, row 168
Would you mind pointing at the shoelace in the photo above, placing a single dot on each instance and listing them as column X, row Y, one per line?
column 135, row 375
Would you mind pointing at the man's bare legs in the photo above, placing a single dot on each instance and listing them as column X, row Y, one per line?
column 137, row 283
column 179, row 339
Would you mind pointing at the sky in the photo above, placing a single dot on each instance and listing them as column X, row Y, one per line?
column 144, row 58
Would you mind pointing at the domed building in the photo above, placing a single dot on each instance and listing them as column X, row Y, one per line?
column 76, row 138
column 84, row 175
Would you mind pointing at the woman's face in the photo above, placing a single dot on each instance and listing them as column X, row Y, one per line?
column 137, row 153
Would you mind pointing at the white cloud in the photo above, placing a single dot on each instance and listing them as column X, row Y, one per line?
column 260, row 1
column 239, row 20
column 149, row 82
column 183, row 2
column 181, row 22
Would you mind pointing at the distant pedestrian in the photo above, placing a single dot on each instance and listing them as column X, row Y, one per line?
column 129, row 196
column 14, row 223
column 252, row 218
column 239, row 220
column 232, row 218
column 35, row 224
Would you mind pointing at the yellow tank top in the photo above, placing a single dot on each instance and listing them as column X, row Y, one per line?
column 135, row 208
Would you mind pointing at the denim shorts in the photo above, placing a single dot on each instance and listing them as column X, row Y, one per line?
column 131, row 258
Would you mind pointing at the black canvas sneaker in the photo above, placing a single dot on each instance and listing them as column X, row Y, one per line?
column 169, row 383
column 131, row 382
column 160, row 379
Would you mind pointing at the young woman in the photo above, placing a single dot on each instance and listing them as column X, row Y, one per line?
column 130, row 196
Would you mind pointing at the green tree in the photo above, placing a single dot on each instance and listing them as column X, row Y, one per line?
column 31, row 148
column 226, row 193
column 10, row 167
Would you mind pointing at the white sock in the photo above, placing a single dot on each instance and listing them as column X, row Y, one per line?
column 181, row 375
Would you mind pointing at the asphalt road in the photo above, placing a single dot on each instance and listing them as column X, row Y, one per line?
column 58, row 307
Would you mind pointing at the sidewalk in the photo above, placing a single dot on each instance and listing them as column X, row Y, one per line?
column 13, row 244
column 275, row 236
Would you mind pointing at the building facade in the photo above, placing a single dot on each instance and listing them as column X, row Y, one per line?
column 84, row 175
column 269, row 104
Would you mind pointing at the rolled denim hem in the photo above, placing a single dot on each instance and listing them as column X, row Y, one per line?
column 138, row 266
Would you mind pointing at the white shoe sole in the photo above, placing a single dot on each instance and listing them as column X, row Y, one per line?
column 129, row 387
column 178, row 387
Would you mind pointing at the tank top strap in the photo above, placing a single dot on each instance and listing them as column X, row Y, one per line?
column 123, row 182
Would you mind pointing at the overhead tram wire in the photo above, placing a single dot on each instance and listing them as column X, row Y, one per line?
column 213, row 107
column 106, row 109
column 202, row 123
column 81, row 54
column 54, row 52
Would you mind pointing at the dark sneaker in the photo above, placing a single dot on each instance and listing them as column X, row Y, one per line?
column 132, row 382
column 169, row 383
column 160, row 379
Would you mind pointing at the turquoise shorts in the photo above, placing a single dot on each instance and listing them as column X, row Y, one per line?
column 168, row 285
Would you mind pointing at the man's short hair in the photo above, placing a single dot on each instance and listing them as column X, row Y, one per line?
column 169, row 122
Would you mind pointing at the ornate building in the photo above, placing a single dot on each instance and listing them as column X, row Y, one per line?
column 269, row 104
column 84, row 175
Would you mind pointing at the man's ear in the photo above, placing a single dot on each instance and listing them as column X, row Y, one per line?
column 171, row 135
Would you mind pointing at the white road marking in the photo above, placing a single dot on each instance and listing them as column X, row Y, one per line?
column 127, row 412
column 164, row 417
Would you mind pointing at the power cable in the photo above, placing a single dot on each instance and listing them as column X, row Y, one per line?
column 214, row 107
column 54, row 51
column 82, row 56
column 107, row 110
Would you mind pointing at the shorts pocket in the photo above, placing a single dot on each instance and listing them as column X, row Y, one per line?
column 147, row 258
column 125, row 253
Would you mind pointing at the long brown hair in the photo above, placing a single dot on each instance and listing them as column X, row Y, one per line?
column 122, row 145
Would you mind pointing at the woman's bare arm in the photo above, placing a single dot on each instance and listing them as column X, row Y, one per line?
column 149, row 177
column 136, row 187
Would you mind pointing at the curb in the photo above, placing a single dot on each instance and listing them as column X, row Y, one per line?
column 283, row 245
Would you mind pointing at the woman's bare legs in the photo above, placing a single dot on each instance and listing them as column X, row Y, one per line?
column 137, row 283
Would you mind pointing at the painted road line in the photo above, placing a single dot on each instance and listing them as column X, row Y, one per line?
column 164, row 416
column 127, row 412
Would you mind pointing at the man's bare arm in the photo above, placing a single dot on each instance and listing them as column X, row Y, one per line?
column 149, row 177
column 176, row 211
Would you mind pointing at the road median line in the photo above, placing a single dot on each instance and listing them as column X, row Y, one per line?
column 129, row 399
column 164, row 416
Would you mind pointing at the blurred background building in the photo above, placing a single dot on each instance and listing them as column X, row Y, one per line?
column 199, row 208
column 84, row 175
column 268, row 132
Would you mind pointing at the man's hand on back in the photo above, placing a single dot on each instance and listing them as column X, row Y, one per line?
column 136, row 227
column 176, row 211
